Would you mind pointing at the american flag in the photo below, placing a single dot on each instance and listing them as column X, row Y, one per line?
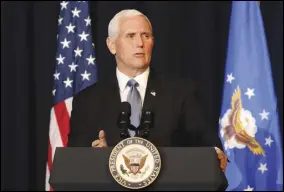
column 75, row 70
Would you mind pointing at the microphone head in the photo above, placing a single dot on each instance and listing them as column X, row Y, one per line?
column 123, row 120
column 147, row 116
column 125, row 108
column 146, row 123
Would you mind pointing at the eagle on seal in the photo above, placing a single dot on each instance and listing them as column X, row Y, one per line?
column 136, row 164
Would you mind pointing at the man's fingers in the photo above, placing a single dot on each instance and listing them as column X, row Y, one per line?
column 223, row 162
column 96, row 143
column 223, row 159
column 101, row 142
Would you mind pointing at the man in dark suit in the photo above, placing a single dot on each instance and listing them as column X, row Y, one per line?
column 178, row 119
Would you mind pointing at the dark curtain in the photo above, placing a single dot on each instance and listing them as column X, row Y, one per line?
column 190, row 41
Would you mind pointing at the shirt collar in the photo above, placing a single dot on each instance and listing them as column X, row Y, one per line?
column 141, row 79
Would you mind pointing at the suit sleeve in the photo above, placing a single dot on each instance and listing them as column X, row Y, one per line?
column 79, row 135
column 197, row 128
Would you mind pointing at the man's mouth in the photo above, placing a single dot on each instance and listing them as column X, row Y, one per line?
column 139, row 54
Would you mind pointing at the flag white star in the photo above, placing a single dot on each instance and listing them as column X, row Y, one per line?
column 56, row 76
column 90, row 60
column 248, row 188
column 85, row 76
column 63, row 5
column 53, row 92
column 78, row 52
column 83, row 36
column 73, row 67
column 264, row 114
column 262, row 168
column 88, row 21
column 76, row 12
column 68, row 82
column 268, row 141
column 60, row 59
column 65, row 43
column 250, row 93
column 230, row 78
column 60, row 20
column 70, row 28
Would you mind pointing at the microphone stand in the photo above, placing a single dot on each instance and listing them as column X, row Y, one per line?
column 146, row 124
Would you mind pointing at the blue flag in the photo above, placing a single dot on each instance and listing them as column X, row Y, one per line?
column 249, row 122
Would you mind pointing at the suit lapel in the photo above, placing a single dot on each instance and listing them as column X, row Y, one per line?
column 152, row 92
column 153, row 100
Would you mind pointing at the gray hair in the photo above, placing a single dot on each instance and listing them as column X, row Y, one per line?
column 113, row 26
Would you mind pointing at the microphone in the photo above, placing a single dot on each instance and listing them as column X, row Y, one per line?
column 146, row 123
column 124, row 119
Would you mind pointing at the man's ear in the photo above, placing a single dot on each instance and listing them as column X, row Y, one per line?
column 111, row 45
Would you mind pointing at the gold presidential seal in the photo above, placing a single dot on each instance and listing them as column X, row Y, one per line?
column 135, row 163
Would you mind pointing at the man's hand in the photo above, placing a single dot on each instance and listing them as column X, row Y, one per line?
column 223, row 159
column 101, row 142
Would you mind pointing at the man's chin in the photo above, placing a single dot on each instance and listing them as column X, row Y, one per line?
column 139, row 65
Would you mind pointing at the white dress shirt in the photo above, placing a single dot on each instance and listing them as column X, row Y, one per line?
column 141, row 79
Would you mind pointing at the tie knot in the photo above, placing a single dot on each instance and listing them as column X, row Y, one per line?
column 132, row 83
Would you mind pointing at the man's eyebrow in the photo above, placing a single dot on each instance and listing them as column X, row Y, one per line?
column 148, row 33
column 133, row 33
column 130, row 33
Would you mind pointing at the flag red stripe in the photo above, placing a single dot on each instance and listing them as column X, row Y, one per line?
column 62, row 118
column 49, row 160
column 49, row 156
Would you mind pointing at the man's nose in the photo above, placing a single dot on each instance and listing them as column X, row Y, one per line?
column 139, row 41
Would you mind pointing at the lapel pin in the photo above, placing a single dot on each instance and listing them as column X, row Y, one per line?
column 153, row 93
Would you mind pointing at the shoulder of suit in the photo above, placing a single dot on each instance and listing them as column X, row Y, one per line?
column 177, row 82
column 88, row 91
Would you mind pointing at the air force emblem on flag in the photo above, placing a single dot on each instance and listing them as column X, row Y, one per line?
column 239, row 127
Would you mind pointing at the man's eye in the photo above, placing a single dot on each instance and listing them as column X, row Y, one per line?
column 147, row 36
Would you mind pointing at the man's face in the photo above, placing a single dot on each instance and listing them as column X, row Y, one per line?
column 134, row 43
